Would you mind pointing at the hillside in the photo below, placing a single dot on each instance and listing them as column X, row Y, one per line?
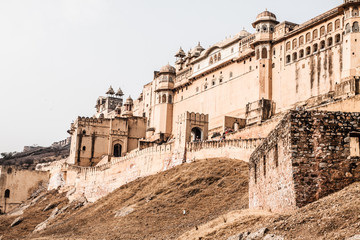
column 203, row 200
column 29, row 159
column 205, row 190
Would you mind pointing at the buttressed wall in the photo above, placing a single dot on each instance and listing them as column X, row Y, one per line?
column 306, row 157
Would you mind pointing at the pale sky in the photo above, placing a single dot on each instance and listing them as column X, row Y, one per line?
column 58, row 56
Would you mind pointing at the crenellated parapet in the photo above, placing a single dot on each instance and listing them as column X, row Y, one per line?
column 236, row 143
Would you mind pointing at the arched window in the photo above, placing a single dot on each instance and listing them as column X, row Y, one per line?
column 322, row 44
column 257, row 54
column 294, row 56
column 288, row 46
column 301, row 53
column 330, row 41
column 337, row 24
column 264, row 53
column 164, row 98
column 308, row 37
column 337, row 38
column 315, row 34
column 347, row 13
column 196, row 134
column 170, row 98
column 264, row 28
column 315, row 48
column 117, row 150
column 329, row 27
column 288, row 59
column 219, row 56
column 308, row 51
column 211, row 61
column 355, row 27
column 215, row 58
column 322, row 31
column 355, row 12
column 7, row 193
column 294, row 43
column 301, row 40
column 347, row 28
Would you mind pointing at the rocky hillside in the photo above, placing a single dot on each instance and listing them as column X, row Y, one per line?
column 207, row 199
column 29, row 159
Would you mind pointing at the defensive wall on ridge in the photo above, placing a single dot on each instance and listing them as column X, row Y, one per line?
column 233, row 149
column 96, row 182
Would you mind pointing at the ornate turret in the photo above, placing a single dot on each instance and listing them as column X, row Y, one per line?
column 197, row 50
column 128, row 107
column 110, row 91
column 265, row 22
column 118, row 110
column 167, row 69
column 119, row 93
column 180, row 53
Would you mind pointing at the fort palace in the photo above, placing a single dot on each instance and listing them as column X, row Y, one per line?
column 283, row 97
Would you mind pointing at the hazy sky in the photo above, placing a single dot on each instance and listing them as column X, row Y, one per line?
column 58, row 56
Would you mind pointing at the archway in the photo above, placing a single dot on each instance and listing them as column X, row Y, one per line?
column 196, row 134
column 117, row 150
column 7, row 193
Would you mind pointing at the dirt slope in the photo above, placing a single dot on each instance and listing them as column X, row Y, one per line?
column 214, row 195
column 205, row 190
column 334, row 217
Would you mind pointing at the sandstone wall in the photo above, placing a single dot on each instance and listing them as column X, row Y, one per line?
column 271, row 185
column 19, row 185
column 96, row 182
column 233, row 149
column 306, row 157
column 320, row 146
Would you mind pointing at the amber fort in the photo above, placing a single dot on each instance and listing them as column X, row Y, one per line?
column 283, row 97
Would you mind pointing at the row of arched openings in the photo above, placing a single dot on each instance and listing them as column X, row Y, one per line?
column 312, row 49
column 353, row 28
column 264, row 53
column 312, row 35
column 164, row 99
column 215, row 58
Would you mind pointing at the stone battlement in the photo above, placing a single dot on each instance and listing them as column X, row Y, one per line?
column 236, row 143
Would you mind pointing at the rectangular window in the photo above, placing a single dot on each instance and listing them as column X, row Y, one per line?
column 255, row 174
column 355, row 144
column 264, row 161
column 276, row 155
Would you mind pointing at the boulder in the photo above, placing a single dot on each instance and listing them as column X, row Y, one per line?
column 356, row 237
column 50, row 206
column 17, row 221
column 259, row 234
column 273, row 237
column 241, row 236
column 124, row 211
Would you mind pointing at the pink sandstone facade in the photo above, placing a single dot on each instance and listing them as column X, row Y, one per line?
column 220, row 102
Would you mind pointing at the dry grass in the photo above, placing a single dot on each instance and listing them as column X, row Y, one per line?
column 214, row 195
